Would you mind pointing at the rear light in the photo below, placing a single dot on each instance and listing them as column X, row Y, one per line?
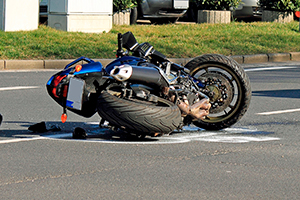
column 56, row 81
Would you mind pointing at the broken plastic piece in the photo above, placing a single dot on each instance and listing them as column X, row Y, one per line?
column 39, row 127
column 55, row 128
column 79, row 133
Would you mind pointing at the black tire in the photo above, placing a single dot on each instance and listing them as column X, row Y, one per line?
column 139, row 117
column 133, row 15
column 236, row 82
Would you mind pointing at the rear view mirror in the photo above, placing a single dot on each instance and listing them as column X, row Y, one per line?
column 129, row 41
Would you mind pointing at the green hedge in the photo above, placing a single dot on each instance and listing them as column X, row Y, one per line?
column 216, row 4
column 280, row 5
column 120, row 5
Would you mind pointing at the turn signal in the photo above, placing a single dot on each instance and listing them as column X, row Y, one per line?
column 63, row 117
column 78, row 68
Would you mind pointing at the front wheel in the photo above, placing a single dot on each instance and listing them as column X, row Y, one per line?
column 226, row 84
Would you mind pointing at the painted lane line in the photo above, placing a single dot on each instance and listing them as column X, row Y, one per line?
column 236, row 139
column 18, row 88
column 279, row 112
column 21, row 140
column 269, row 68
column 68, row 137
column 226, row 136
column 28, row 70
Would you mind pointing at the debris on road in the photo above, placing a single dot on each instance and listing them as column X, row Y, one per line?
column 79, row 133
column 41, row 128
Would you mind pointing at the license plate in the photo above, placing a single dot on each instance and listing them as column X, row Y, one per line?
column 181, row 4
column 75, row 93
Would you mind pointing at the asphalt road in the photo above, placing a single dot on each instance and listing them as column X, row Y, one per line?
column 257, row 158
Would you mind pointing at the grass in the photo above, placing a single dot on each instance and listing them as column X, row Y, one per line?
column 173, row 40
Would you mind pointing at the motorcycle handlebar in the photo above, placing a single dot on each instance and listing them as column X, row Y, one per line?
column 120, row 41
column 120, row 51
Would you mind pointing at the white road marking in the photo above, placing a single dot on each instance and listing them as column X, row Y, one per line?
column 20, row 140
column 229, row 135
column 274, row 68
column 161, row 140
column 18, row 88
column 188, row 135
column 269, row 68
column 279, row 112
column 29, row 70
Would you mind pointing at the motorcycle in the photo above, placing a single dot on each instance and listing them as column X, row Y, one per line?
column 144, row 93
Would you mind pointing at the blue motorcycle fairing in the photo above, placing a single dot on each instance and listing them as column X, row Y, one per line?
column 88, row 60
column 90, row 68
column 93, row 67
column 131, row 60
column 90, row 72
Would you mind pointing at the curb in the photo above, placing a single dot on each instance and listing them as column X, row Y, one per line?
column 59, row 64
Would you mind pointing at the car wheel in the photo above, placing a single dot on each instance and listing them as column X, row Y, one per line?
column 133, row 15
column 163, row 20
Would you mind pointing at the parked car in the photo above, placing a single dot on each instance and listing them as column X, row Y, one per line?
column 43, row 11
column 159, row 11
column 248, row 8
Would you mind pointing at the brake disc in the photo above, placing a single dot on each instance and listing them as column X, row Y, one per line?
column 219, row 90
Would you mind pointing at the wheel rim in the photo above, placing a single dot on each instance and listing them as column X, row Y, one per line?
column 222, row 81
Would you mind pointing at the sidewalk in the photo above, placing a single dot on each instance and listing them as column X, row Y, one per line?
column 59, row 64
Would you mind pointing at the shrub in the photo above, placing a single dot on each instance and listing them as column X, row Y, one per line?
column 280, row 5
column 120, row 5
column 216, row 4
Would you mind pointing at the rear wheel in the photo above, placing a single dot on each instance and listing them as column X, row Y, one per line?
column 227, row 86
column 139, row 116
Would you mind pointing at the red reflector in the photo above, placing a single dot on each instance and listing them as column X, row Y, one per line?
column 55, row 83
column 297, row 14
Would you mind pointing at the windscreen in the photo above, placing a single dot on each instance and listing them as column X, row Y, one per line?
column 129, row 41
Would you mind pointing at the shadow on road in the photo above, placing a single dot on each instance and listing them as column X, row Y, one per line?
column 94, row 133
column 64, row 131
column 293, row 93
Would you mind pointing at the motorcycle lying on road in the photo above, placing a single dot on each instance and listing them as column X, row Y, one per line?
column 143, row 93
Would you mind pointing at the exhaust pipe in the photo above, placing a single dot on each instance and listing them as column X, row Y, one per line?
column 143, row 75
